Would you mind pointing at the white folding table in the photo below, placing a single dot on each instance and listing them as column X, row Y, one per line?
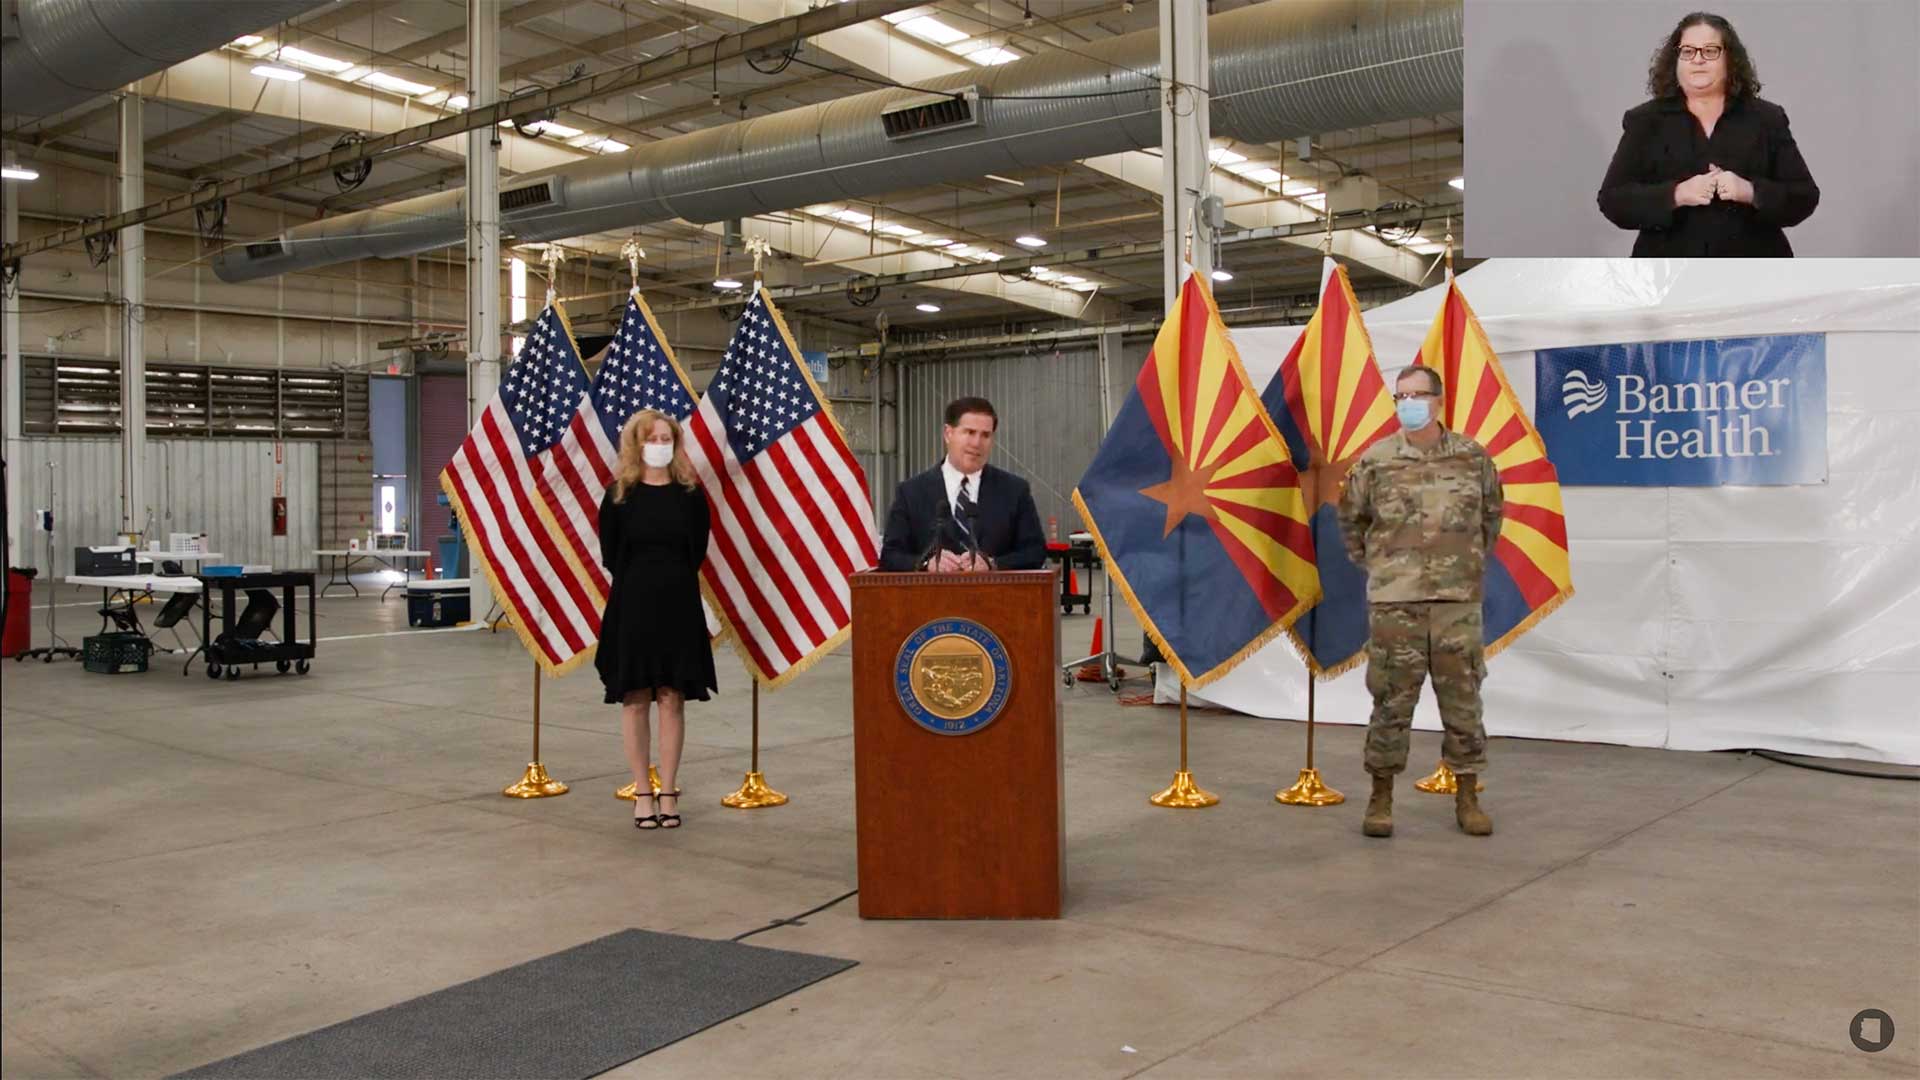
column 341, row 561
column 126, row 590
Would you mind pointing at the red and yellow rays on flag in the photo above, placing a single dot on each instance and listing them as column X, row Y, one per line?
column 1334, row 392
column 1330, row 404
column 1529, row 574
column 1195, row 503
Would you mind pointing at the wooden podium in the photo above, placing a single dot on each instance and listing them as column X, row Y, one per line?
column 957, row 825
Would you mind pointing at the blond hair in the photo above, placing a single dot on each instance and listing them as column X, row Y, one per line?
column 631, row 466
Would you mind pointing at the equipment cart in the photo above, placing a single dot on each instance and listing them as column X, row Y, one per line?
column 239, row 640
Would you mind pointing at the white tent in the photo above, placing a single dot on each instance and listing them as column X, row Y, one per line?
column 1703, row 618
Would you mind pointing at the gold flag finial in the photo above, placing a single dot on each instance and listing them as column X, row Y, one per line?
column 761, row 249
column 634, row 253
column 552, row 258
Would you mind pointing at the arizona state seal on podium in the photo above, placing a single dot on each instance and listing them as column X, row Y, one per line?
column 952, row 676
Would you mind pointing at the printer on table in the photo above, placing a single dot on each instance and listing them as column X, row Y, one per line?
column 104, row 561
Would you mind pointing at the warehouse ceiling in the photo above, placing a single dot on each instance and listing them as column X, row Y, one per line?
column 373, row 66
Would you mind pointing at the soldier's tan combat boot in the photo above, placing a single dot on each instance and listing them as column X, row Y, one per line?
column 1379, row 819
column 1466, row 807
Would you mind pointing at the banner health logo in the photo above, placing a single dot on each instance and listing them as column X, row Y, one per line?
column 1582, row 393
column 952, row 676
column 1720, row 411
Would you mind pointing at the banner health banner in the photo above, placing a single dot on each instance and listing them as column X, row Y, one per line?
column 1750, row 410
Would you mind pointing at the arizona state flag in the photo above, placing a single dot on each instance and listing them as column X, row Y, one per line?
column 1194, row 504
column 1330, row 404
column 1529, row 573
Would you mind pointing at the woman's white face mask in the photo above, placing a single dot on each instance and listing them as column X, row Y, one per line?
column 657, row 455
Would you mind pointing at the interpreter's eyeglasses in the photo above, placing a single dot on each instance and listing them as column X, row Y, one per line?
column 1709, row 53
column 1412, row 394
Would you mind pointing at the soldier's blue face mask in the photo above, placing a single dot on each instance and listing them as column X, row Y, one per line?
column 1414, row 412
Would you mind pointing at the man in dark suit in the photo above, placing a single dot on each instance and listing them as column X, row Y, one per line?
column 1004, row 525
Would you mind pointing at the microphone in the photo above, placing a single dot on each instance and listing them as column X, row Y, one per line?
column 940, row 515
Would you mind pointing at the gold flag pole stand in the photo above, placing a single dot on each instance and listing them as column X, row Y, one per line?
column 754, row 792
column 535, row 783
column 1309, row 790
column 1442, row 781
column 1184, row 794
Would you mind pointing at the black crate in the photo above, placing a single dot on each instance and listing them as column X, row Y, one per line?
column 116, row 653
column 437, row 607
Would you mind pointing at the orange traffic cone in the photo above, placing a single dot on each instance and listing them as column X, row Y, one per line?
column 1073, row 581
column 1090, row 671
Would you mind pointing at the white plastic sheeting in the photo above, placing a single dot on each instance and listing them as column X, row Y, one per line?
column 1710, row 618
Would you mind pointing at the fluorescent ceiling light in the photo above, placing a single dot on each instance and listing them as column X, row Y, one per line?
column 932, row 29
column 246, row 41
column 931, row 309
column 1070, row 279
column 993, row 55
column 314, row 60
column 1030, row 241
column 548, row 127
column 1221, row 275
column 1458, row 183
column 854, row 217
column 1265, row 176
column 958, row 249
column 900, row 230
column 1220, row 155
column 1295, row 187
column 604, row 146
column 269, row 71
column 457, row 103
column 725, row 283
column 18, row 172
column 932, row 241
column 1085, row 286
column 989, row 256
column 405, row 87
column 896, row 18
column 1044, row 274
column 1007, row 180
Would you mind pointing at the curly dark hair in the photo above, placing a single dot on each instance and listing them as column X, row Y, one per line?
column 1742, row 80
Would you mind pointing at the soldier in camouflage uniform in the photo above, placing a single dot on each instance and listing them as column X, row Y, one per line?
column 1419, row 514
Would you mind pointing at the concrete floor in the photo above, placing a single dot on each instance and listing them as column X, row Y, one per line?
column 192, row 869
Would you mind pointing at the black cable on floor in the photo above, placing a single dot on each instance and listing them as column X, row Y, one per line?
column 795, row 921
column 1841, row 769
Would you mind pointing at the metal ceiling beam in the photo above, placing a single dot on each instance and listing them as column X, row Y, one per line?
column 665, row 68
column 1086, row 256
column 596, row 48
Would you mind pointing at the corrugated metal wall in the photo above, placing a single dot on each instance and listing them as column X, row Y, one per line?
column 1050, row 418
column 222, row 487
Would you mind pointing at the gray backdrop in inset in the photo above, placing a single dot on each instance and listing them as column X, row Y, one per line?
column 1547, row 82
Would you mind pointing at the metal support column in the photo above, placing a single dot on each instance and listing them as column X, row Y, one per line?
column 483, row 246
column 134, row 510
column 1185, row 134
column 17, row 530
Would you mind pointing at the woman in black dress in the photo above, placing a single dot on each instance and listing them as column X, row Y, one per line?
column 1707, row 167
column 653, row 635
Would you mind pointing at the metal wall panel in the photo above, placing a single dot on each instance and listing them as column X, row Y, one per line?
column 1050, row 418
column 222, row 487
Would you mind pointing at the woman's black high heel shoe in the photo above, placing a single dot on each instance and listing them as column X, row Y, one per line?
column 647, row 821
column 669, row 821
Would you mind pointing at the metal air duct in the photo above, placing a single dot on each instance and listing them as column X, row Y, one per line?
column 61, row 53
column 1280, row 69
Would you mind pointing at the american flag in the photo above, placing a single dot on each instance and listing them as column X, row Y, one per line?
column 638, row 371
column 791, row 516
column 527, row 484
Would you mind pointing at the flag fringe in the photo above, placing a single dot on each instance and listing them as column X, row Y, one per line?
column 504, row 598
column 1172, row 656
column 1529, row 622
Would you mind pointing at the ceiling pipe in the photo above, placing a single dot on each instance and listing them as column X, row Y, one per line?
column 60, row 53
column 1280, row 69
